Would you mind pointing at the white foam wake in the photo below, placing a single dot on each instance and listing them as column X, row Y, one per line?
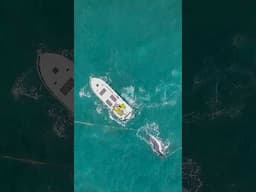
column 164, row 95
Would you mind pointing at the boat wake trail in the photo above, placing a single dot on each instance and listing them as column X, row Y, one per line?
column 164, row 95
column 128, row 93
column 90, row 124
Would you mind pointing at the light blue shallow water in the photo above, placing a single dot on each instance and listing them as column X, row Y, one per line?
column 136, row 47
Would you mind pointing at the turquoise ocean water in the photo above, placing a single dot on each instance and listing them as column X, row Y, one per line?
column 135, row 46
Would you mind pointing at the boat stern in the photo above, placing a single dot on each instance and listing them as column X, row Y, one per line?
column 128, row 116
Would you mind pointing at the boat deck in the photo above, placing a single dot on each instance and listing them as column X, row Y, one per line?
column 56, row 72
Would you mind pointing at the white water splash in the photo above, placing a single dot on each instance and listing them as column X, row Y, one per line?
column 128, row 93
column 85, row 92
column 148, row 129
column 122, row 123
column 175, row 73
column 143, row 95
column 163, row 96
column 99, row 107
column 105, row 78
column 25, row 87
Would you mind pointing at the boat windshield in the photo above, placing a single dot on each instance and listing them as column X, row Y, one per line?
column 102, row 91
column 112, row 98
column 109, row 103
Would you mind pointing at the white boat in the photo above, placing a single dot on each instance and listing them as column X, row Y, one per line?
column 56, row 73
column 111, row 99
column 157, row 146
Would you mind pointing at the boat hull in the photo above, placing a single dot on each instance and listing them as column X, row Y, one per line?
column 56, row 73
column 111, row 99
